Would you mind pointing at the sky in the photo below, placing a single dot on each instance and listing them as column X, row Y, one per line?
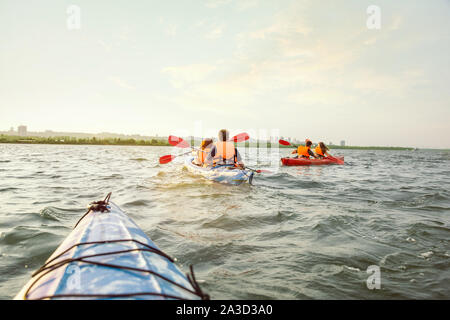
column 305, row 69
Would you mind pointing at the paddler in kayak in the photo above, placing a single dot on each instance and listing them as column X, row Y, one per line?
column 322, row 150
column 202, row 154
column 224, row 152
column 305, row 151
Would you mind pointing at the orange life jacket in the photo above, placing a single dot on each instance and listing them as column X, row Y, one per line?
column 202, row 154
column 318, row 150
column 303, row 151
column 225, row 152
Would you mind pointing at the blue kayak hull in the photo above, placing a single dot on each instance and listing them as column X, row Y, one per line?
column 94, row 278
column 221, row 174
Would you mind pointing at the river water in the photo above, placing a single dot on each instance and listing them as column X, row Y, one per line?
column 298, row 233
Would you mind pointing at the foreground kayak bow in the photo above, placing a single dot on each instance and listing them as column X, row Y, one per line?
column 107, row 256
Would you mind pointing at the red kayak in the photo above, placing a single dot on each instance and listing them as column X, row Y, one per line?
column 309, row 162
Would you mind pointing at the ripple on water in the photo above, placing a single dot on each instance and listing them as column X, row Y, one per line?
column 8, row 189
column 57, row 214
column 139, row 159
column 23, row 236
column 138, row 203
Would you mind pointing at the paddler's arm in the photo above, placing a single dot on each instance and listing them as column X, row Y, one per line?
column 312, row 154
column 211, row 155
column 239, row 159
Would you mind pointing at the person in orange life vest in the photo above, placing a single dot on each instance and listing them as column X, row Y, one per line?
column 205, row 149
column 224, row 152
column 305, row 151
column 322, row 150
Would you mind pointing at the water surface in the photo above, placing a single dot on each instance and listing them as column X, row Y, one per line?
column 300, row 233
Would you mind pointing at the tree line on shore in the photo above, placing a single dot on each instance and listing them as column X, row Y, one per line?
column 82, row 141
column 152, row 142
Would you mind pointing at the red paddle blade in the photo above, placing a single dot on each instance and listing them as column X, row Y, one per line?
column 241, row 137
column 284, row 142
column 178, row 142
column 166, row 159
column 263, row 171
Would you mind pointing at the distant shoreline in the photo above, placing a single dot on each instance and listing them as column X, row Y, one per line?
column 333, row 147
column 81, row 141
column 6, row 139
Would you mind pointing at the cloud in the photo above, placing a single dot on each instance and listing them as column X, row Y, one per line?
column 242, row 5
column 216, row 3
column 171, row 29
column 284, row 27
column 396, row 23
column 182, row 76
column 208, row 87
column 298, row 61
column 215, row 31
column 239, row 5
column 321, row 96
column 121, row 83
column 104, row 45
column 201, row 23
column 370, row 41
column 297, row 51
column 387, row 83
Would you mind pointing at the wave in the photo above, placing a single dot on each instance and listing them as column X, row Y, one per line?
column 57, row 214
column 8, row 189
column 139, row 159
column 138, row 203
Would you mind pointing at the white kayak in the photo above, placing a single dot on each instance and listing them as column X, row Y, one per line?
column 227, row 174
column 107, row 256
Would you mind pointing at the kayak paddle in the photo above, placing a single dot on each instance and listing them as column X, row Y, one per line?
column 285, row 143
column 178, row 142
column 259, row 170
column 168, row 158
column 240, row 137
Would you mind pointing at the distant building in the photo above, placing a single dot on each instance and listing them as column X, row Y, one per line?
column 22, row 130
column 342, row 143
column 330, row 143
